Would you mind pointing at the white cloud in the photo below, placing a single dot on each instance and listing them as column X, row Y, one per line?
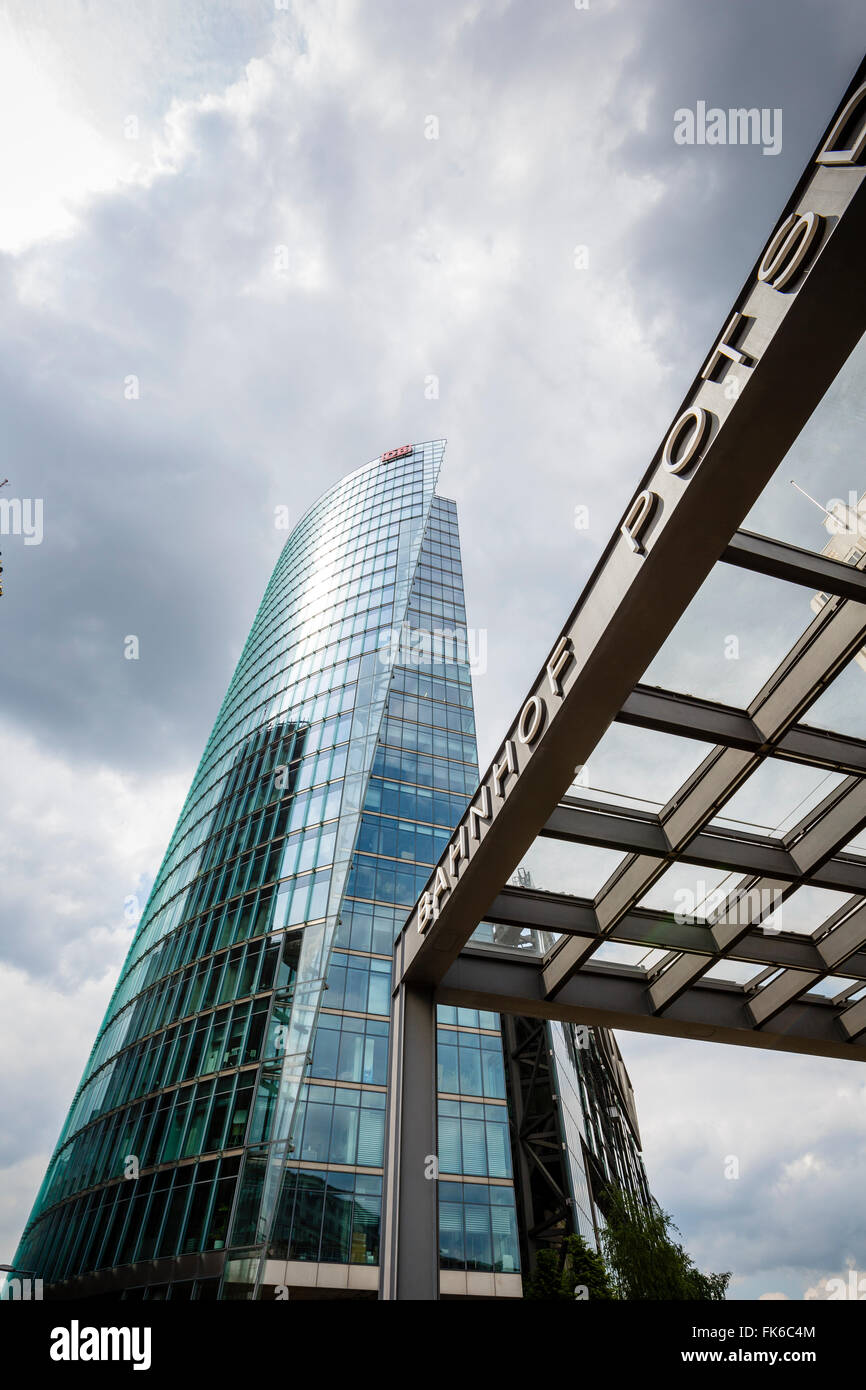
column 55, row 157
column 801, row 1169
column 849, row 1285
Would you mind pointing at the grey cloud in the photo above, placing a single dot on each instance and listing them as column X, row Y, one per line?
column 406, row 257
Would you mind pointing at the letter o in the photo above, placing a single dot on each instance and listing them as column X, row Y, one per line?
column 696, row 420
column 828, row 153
column 531, row 720
column 788, row 248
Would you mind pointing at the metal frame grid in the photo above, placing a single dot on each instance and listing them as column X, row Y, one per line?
column 798, row 318
column 687, row 830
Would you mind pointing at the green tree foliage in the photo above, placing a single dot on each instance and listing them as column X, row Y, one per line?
column 574, row 1271
column 645, row 1260
column 642, row 1260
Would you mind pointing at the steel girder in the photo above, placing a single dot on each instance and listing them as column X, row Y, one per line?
column 609, row 995
column 828, row 643
column 792, row 327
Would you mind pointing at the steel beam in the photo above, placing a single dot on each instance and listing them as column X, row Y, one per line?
column 829, row 826
column 844, row 939
column 822, row 748
column 594, row 823
column 669, row 712
column 811, row 843
column 615, row 996
column 853, row 1020
column 409, row 1253
column 780, row 992
column 840, row 947
column 721, row 451
column 828, row 643
column 792, row 328
column 643, row 927
column 541, row 1186
column 782, row 561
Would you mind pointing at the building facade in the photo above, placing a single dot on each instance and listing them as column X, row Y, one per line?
column 226, row 1139
column 847, row 526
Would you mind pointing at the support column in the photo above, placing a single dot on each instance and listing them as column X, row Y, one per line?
column 409, row 1251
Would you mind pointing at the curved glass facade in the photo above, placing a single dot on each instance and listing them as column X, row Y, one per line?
column 226, row 1139
column 234, row 1098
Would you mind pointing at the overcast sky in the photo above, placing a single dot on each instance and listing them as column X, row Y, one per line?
column 231, row 263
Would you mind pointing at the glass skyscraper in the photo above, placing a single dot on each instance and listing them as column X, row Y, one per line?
column 226, row 1139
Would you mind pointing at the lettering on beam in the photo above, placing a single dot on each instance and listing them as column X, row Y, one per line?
column 789, row 253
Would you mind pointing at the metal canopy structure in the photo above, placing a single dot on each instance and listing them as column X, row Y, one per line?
column 736, row 973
